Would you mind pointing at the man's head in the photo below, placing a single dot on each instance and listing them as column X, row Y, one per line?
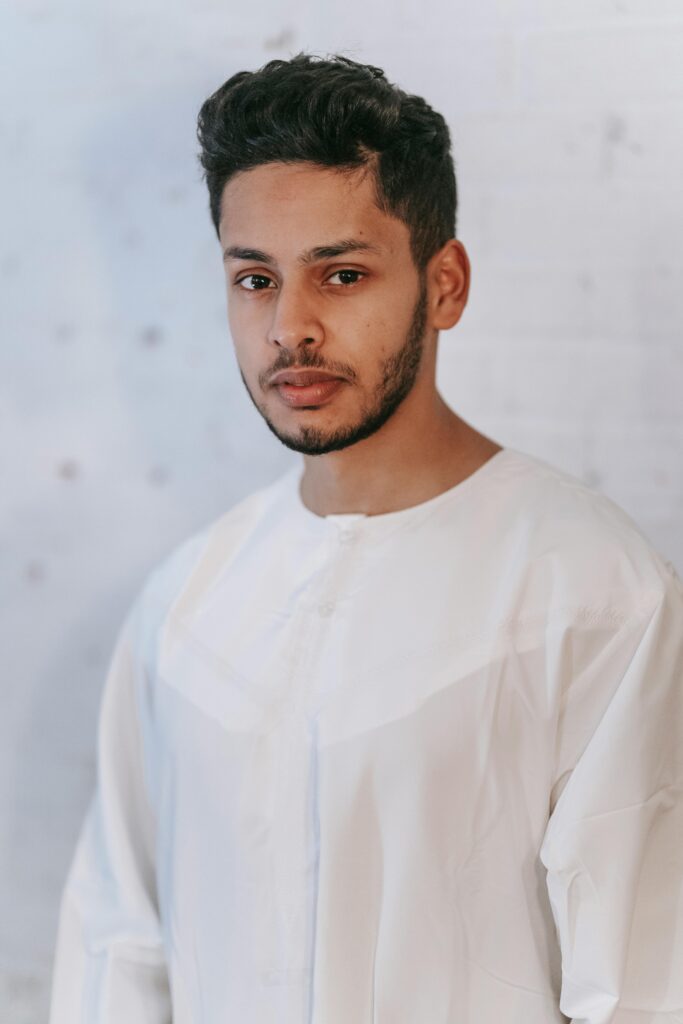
column 303, row 155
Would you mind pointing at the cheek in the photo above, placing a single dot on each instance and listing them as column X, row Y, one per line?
column 243, row 343
column 374, row 335
column 237, row 321
column 245, row 325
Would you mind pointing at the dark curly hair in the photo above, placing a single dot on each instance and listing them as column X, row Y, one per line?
column 335, row 112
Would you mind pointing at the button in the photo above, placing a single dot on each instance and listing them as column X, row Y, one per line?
column 345, row 535
column 326, row 609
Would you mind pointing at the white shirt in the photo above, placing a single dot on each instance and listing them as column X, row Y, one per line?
column 423, row 767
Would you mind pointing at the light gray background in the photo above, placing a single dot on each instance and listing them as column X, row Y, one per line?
column 124, row 423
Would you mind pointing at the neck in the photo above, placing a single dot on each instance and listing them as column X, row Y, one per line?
column 413, row 458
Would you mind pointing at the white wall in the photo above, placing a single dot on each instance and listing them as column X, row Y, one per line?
column 125, row 425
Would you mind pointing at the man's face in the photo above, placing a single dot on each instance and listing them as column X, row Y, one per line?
column 359, row 314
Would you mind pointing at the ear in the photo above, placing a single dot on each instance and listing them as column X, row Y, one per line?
column 448, row 276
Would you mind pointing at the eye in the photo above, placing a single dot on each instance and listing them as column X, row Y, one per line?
column 355, row 274
column 259, row 282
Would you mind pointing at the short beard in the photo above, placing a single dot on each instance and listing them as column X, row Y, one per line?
column 398, row 378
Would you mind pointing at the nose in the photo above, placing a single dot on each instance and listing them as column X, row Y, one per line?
column 295, row 320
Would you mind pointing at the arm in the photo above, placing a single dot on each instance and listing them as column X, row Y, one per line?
column 613, row 847
column 109, row 965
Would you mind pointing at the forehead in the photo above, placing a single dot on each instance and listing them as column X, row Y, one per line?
column 300, row 204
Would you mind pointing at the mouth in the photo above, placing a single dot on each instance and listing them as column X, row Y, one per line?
column 308, row 395
column 302, row 377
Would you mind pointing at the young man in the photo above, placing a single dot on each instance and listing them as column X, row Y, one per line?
column 398, row 738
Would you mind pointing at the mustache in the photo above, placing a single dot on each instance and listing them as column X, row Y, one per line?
column 309, row 364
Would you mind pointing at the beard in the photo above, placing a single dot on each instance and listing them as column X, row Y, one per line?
column 399, row 373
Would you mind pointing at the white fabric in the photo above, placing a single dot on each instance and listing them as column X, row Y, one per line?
column 423, row 767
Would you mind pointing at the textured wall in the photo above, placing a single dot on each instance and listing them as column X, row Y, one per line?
column 125, row 425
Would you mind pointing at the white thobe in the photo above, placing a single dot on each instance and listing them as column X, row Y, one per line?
column 422, row 767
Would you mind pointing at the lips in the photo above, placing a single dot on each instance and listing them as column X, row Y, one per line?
column 310, row 396
column 302, row 378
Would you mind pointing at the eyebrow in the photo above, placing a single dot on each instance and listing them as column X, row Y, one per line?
column 319, row 252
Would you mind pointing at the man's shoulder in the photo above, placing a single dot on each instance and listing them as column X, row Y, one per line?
column 200, row 556
column 576, row 532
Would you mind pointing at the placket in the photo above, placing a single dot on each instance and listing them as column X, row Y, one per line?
column 294, row 835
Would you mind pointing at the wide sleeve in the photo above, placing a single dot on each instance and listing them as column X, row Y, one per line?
column 109, row 965
column 613, row 847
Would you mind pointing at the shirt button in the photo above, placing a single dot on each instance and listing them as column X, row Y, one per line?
column 326, row 609
column 345, row 535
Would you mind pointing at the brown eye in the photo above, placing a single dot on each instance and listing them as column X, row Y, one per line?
column 344, row 275
column 258, row 282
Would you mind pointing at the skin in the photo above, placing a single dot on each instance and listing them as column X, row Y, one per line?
column 386, row 440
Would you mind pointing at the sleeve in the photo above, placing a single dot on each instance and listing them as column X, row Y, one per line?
column 613, row 847
column 109, row 965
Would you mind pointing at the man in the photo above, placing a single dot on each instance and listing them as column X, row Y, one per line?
column 397, row 739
